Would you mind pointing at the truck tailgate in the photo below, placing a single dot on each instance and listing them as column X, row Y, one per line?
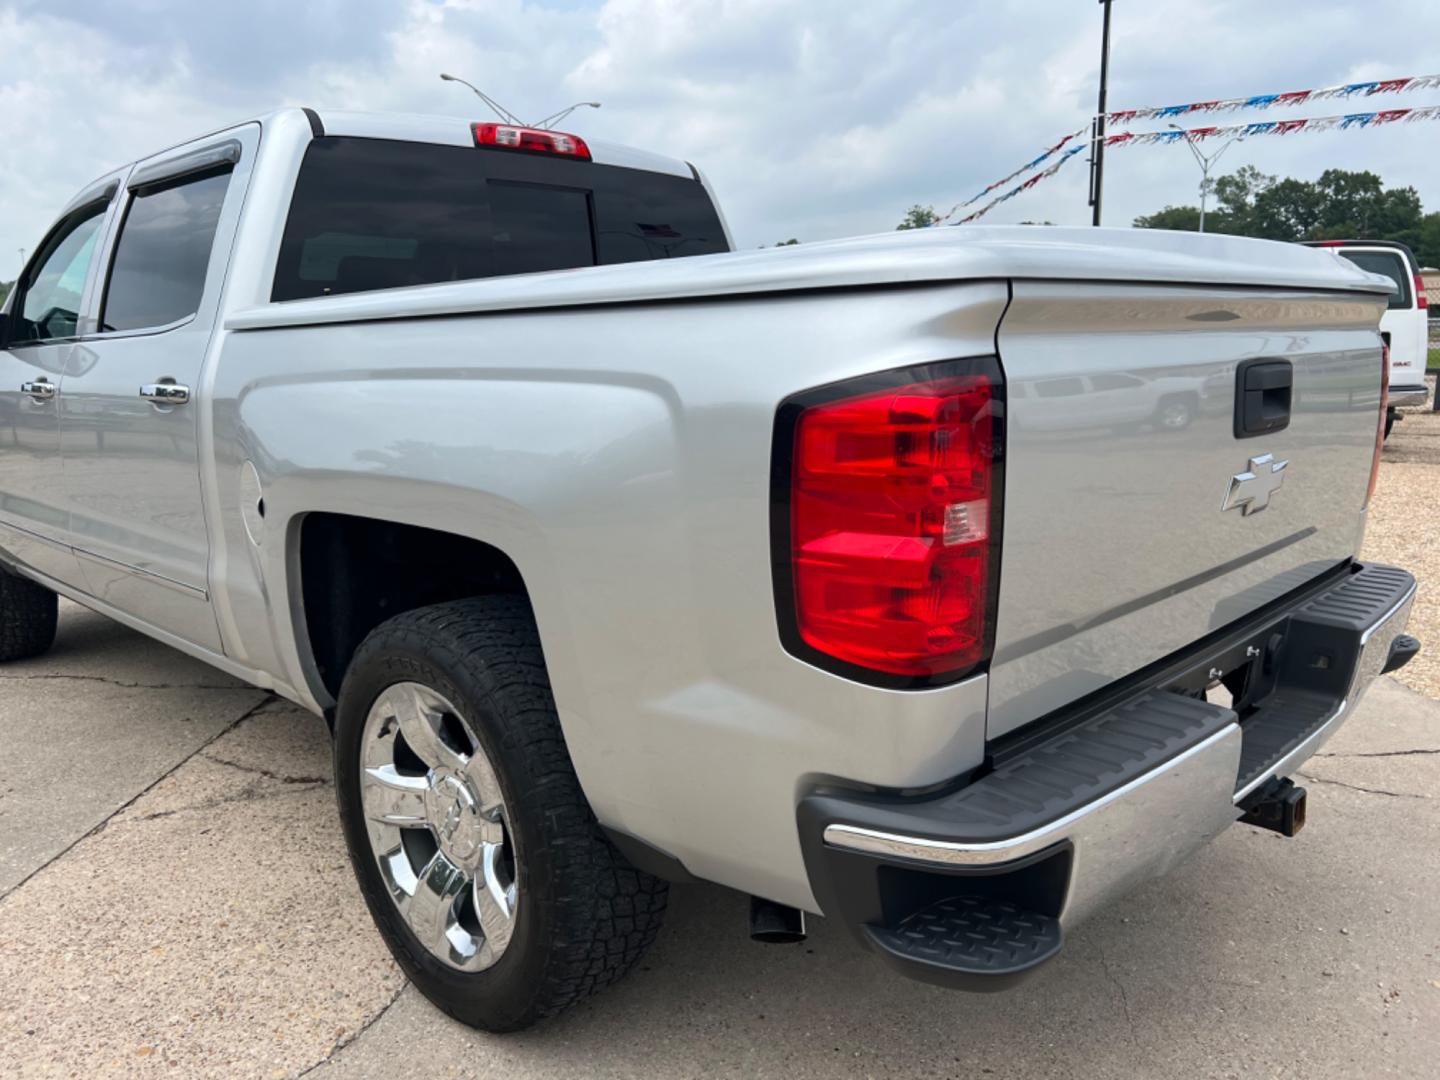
column 1121, row 451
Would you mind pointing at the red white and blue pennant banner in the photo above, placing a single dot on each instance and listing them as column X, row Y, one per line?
column 1254, row 101
column 1270, row 101
column 1264, row 127
column 1276, row 127
column 1006, row 179
column 1026, row 186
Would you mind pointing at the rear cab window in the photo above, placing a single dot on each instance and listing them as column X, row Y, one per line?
column 381, row 214
column 1391, row 264
column 157, row 275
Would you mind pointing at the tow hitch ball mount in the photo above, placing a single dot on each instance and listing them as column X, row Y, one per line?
column 1278, row 806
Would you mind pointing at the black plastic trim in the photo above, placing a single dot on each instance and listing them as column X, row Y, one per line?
column 1278, row 379
column 317, row 129
column 873, row 897
column 787, row 417
column 1402, row 650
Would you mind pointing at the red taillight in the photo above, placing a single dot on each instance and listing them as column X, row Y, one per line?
column 534, row 139
column 1380, row 429
column 1421, row 300
column 892, row 508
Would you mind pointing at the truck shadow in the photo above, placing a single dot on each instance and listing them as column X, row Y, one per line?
column 1236, row 958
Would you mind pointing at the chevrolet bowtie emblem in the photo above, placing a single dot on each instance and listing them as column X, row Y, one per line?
column 1251, row 489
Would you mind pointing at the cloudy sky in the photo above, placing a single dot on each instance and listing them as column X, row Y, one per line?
column 813, row 118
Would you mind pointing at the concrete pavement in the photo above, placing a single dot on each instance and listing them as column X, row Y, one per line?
column 175, row 900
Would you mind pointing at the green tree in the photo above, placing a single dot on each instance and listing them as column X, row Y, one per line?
column 1341, row 204
column 788, row 243
column 1427, row 246
column 917, row 217
column 1180, row 218
column 5, row 287
column 1288, row 210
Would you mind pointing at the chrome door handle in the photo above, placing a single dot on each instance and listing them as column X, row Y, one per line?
column 41, row 390
column 165, row 393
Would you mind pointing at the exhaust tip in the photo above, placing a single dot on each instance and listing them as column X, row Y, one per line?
column 775, row 924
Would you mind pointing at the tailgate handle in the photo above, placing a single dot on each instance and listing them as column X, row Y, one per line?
column 1262, row 397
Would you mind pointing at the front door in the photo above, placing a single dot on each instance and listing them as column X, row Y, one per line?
column 132, row 394
column 40, row 339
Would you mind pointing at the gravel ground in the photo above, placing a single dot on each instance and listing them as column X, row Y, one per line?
column 1404, row 529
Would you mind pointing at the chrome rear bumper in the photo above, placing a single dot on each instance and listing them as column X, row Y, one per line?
column 1409, row 395
column 1149, row 780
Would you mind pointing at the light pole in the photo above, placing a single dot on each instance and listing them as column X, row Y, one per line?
column 500, row 111
column 1205, row 164
column 1097, row 129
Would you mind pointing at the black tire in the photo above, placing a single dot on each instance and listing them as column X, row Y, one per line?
column 28, row 614
column 585, row 915
column 1389, row 421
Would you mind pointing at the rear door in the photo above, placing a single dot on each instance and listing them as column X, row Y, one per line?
column 47, row 319
column 132, row 394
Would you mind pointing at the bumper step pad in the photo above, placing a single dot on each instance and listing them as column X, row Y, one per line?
column 1320, row 663
column 972, row 935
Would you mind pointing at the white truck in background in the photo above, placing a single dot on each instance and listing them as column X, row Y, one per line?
column 1405, row 326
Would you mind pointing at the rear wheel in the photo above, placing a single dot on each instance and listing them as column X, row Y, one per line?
column 480, row 860
column 28, row 614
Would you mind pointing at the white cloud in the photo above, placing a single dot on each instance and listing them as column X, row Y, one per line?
column 814, row 118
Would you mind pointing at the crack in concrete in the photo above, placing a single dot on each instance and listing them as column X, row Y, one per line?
column 122, row 684
column 99, row 827
column 344, row 1041
column 1383, row 753
column 1124, row 996
column 250, row 793
column 1366, row 790
column 267, row 773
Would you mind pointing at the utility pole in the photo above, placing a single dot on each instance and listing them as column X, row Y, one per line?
column 1205, row 163
column 1097, row 128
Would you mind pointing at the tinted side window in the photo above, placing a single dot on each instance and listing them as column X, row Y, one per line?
column 643, row 215
column 1391, row 264
column 49, row 307
column 158, row 275
column 378, row 214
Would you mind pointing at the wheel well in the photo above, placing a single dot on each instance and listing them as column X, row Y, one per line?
column 357, row 572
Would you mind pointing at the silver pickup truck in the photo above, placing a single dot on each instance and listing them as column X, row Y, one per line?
column 945, row 584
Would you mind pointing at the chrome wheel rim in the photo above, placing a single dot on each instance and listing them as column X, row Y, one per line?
column 438, row 827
